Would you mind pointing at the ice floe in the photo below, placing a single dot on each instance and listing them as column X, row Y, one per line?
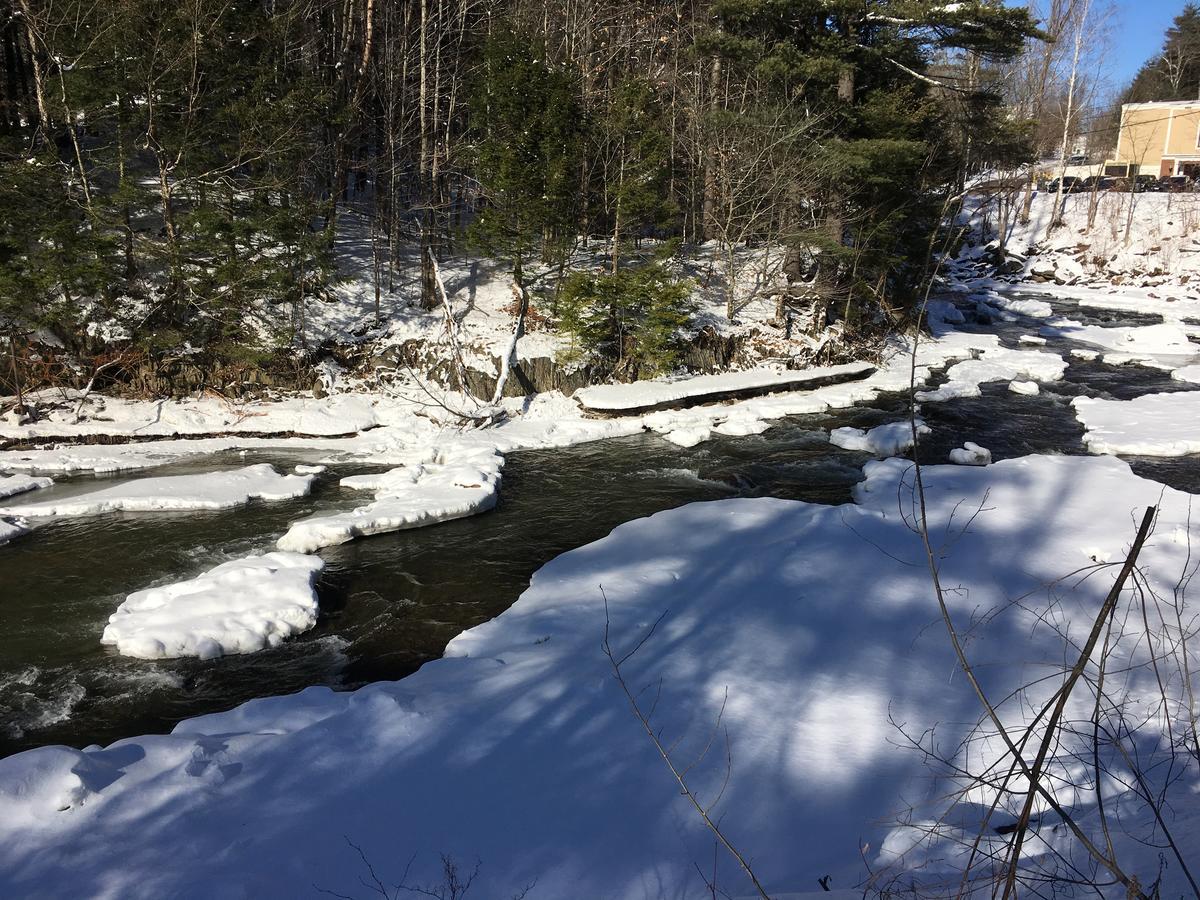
column 11, row 485
column 1150, row 425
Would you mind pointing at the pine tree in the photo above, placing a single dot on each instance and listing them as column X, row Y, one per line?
column 640, row 154
column 865, row 74
column 1175, row 73
column 528, row 132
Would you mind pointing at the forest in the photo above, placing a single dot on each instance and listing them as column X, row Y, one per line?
column 173, row 176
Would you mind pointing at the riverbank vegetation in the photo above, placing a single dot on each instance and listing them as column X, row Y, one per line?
column 174, row 177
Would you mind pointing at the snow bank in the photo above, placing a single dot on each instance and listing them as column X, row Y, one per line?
column 239, row 607
column 1150, row 425
column 337, row 415
column 971, row 454
column 647, row 396
column 448, row 483
column 211, row 490
column 809, row 625
column 883, row 440
column 12, row 485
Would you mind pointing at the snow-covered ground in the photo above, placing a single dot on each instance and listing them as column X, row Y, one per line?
column 1157, row 249
column 520, row 751
column 240, row 606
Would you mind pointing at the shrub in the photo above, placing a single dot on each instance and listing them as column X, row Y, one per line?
column 629, row 320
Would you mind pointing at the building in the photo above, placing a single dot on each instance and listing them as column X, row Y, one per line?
column 1158, row 139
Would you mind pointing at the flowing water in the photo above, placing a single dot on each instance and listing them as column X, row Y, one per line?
column 390, row 603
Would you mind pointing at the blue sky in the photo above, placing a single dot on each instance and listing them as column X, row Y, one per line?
column 1139, row 34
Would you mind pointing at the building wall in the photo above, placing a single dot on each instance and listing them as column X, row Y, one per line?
column 1160, row 138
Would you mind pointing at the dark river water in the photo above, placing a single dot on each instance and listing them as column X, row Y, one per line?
column 391, row 602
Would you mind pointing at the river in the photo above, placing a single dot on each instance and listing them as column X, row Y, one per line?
column 392, row 602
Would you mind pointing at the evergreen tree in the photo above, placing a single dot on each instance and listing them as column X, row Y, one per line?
column 628, row 319
column 529, row 128
column 640, row 154
column 886, row 159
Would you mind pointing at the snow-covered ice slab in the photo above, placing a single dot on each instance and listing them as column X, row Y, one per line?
column 1150, row 425
column 446, row 484
column 1190, row 374
column 808, row 624
column 11, row 485
column 12, row 527
column 210, row 490
column 648, row 396
column 1149, row 344
column 240, row 606
column 882, row 440
column 995, row 363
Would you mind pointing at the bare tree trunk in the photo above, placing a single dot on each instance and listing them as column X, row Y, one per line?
column 1056, row 213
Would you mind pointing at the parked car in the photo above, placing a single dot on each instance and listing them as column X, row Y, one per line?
column 1070, row 185
column 1145, row 183
column 1175, row 184
column 1097, row 183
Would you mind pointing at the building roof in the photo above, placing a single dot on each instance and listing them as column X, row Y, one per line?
column 1163, row 104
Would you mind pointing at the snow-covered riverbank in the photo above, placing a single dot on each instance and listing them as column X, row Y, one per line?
column 518, row 749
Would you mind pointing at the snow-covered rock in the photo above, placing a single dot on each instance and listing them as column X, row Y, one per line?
column 1024, row 387
column 882, row 440
column 971, row 454
column 240, row 606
